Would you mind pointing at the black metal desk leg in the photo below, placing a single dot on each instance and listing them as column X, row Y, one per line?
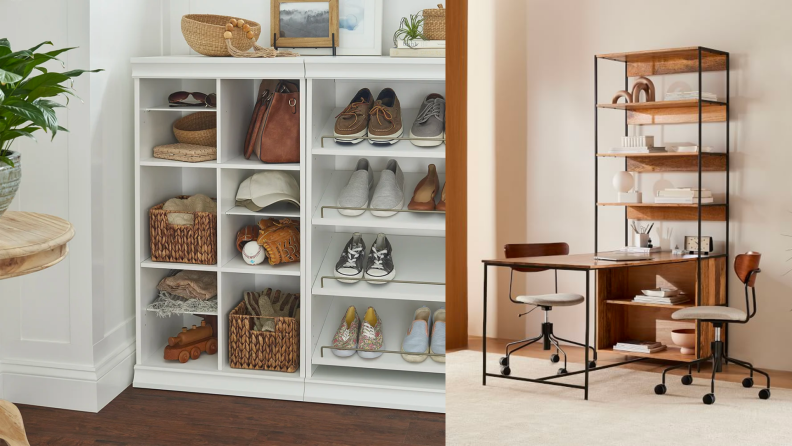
column 586, row 363
column 484, row 333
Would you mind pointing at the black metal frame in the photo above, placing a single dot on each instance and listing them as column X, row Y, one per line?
column 719, row 355
column 699, row 172
column 333, row 44
column 587, row 345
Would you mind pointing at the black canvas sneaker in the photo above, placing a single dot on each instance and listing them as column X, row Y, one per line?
column 349, row 267
column 380, row 260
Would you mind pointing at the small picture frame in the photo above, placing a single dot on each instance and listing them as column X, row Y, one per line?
column 360, row 27
column 304, row 23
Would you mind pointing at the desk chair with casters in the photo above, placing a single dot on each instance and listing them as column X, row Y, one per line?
column 746, row 266
column 544, row 301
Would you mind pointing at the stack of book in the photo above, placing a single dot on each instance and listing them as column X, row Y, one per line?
column 640, row 346
column 685, row 195
column 637, row 144
column 419, row 48
column 639, row 250
column 680, row 95
column 661, row 296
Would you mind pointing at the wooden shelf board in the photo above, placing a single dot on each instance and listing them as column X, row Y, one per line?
column 661, row 205
column 668, row 61
column 659, row 155
column 641, row 106
column 651, row 54
column 642, row 304
column 671, row 354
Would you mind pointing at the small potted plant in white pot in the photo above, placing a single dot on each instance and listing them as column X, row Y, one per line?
column 26, row 107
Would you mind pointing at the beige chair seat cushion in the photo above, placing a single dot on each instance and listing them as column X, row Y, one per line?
column 552, row 300
column 710, row 314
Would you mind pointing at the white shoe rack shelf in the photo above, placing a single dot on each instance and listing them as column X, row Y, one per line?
column 327, row 84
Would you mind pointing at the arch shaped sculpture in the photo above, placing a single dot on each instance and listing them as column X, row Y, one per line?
column 622, row 94
column 643, row 84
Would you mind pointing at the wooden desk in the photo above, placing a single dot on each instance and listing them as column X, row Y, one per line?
column 617, row 317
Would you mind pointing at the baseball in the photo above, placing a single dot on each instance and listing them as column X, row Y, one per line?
column 253, row 253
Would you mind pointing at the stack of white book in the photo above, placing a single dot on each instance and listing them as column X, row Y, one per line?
column 680, row 95
column 639, row 250
column 685, row 195
column 640, row 346
column 637, row 144
column 419, row 48
column 662, row 296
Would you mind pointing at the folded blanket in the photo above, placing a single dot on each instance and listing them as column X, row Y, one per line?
column 196, row 203
column 201, row 285
column 269, row 304
column 167, row 304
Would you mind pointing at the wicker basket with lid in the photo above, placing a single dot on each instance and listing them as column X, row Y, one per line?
column 434, row 23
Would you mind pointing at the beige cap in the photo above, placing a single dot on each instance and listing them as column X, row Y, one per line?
column 267, row 188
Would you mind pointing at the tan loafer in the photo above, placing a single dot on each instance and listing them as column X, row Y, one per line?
column 424, row 196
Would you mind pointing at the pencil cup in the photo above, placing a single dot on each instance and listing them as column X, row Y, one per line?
column 641, row 240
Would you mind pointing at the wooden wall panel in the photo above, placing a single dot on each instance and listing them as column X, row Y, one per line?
column 456, row 174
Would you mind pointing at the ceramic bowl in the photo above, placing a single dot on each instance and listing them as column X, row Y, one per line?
column 686, row 339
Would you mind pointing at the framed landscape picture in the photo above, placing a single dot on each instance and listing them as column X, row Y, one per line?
column 304, row 23
column 360, row 27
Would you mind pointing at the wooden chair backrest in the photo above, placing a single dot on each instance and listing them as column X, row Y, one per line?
column 744, row 264
column 517, row 250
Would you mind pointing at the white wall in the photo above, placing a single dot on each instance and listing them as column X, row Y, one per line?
column 534, row 131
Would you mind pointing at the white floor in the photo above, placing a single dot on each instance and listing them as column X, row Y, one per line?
column 622, row 409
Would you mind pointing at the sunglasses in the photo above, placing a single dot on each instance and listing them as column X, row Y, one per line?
column 177, row 99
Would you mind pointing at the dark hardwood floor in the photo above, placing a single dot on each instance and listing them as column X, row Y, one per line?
column 154, row 417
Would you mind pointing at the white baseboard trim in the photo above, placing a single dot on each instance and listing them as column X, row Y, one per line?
column 63, row 387
column 329, row 392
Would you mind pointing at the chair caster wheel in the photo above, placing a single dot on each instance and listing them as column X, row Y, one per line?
column 505, row 370
column 504, row 361
column 660, row 389
column 709, row 398
column 592, row 364
column 764, row 394
column 562, row 371
column 687, row 380
column 554, row 358
column 748, row 383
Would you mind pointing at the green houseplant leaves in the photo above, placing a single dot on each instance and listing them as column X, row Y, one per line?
column 24, row 107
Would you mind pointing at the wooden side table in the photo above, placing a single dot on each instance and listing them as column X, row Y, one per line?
column 29, row 242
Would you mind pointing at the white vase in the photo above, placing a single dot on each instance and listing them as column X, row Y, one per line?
column 623, row 181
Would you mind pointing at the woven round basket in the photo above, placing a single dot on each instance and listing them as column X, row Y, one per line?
column 197, row 128
column 434, row 23
column 204, row 34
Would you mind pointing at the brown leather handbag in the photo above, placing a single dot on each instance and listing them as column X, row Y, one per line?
column 274, row 131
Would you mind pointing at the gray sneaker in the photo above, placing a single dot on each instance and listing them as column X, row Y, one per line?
column 356, row 193
column 349, row 267
column 380, row 260
column 430, row 122
column 389, row 193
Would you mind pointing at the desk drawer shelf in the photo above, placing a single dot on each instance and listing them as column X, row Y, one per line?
column 672, row 354
column 672, row 212
column 643, row 304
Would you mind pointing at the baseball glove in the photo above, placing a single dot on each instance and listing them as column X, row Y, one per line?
column 281, row 240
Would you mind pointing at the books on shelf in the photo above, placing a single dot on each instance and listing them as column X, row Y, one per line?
column 639, row 250
column 640, row 346
column 686, row 148
column 418, row 43
column 685, row 192
column 671, row 300
column 680, row 95
column 682, row 200
column 638, row 150
column 417, row 52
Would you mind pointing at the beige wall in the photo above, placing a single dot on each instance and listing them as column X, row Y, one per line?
column 531, row 144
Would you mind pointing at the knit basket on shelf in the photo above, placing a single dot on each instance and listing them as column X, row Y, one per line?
column 197, row 128
column 196, row 243
column 434, row 23
column 277, row 350
column 204, row 34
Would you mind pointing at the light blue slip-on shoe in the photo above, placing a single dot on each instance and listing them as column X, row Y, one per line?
column 437, row 344
column 416, row 344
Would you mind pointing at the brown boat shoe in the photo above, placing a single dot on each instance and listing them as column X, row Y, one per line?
column 352, row 123
column 386, row 120
column 424, row 196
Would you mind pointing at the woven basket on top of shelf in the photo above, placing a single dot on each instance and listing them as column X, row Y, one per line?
column 183, row 243
column 434, row 23
column 277, row 350
column 197, row 128
column 204, row 34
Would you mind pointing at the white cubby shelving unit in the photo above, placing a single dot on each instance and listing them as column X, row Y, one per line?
column 326, row 84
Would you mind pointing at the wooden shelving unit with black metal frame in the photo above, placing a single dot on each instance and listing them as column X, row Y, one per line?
column 704, row 277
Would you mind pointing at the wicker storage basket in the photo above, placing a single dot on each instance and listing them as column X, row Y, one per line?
column 190, row 153
column 197, row 128
column 434, row 23
column 183, row 243
column 277, row 350
column 204, row 34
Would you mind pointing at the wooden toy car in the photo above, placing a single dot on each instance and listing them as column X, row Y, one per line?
column 191, row 343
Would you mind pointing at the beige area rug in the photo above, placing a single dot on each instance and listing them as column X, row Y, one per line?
column 622, row 408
